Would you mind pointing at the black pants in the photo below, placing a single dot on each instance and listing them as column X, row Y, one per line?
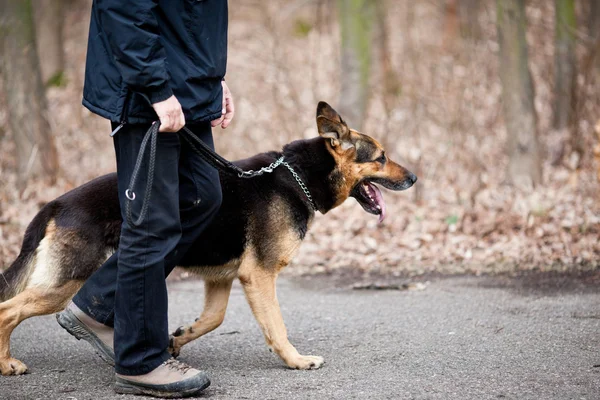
column 129, row 291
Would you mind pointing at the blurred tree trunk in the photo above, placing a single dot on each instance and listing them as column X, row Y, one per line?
column 382, row 54
column 356, row 18
column 26, row 99
column 572, row 148
column 451, row 24
column 468, row 14
column 597, row 150
column 589, row 71
column 564, row 63
column 594, row 26
column 461, row 16
column 594, row 18
column 517, row 95
column 49, row 21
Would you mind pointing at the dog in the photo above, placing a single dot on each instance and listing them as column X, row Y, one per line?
column 258, row 229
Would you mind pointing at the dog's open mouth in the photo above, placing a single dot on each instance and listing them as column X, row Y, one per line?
column 369, row 197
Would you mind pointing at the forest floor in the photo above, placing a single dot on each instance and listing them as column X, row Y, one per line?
column 445, row 124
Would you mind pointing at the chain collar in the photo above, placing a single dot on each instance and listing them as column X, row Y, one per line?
column 301, row 184
column 268, row 169
column 271, row 167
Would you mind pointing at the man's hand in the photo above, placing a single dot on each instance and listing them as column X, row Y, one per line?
column 170, row 114
column 228, row 109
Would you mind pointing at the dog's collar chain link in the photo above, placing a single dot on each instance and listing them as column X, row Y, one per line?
column 300, row 183
column 268, row 169
column 271, row 167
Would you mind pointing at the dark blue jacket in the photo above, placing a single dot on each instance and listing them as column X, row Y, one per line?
column 142, row 51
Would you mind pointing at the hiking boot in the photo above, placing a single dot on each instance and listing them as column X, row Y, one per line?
column 82, row 326
column 172, row 379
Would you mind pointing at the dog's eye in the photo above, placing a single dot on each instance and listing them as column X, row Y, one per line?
column 381, row 158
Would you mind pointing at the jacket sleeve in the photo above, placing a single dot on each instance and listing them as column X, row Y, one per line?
column 132, row 32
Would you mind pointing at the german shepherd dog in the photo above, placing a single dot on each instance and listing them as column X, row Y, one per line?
column 257, row 231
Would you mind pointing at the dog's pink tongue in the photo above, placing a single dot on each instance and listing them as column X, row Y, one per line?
column 379, row 200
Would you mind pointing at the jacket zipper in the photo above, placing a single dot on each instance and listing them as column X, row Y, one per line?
column 123, row 115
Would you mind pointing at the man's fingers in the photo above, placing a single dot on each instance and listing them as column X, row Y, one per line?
column 181, row 120
column 227, row 120
column 170, row 114
column 230, row 111
column 217, row 122
column 224, row 102
column 168, row 124
column 172, row 122
column 165, row 123
column 227, row 110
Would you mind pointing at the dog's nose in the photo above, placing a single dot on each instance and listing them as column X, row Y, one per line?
column 412, row 177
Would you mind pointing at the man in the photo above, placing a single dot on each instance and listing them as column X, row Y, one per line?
column 149, row 60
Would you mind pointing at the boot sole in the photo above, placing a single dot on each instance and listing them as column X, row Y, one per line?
column 79, row 330
column 127, row 388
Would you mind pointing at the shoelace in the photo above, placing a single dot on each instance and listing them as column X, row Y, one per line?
column 177, row 365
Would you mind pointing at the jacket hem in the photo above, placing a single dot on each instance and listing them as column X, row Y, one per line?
column 99, row 111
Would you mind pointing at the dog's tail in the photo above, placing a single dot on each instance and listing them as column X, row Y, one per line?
column 13, row 280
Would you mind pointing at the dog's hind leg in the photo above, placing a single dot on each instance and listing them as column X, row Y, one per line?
column 216, row 297
column 29, row 303
column 259, row 287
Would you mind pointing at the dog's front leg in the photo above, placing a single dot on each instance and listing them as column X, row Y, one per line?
column 216, row 297
column 259, row 287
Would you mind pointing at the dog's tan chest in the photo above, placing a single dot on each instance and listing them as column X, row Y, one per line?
column 224, row 272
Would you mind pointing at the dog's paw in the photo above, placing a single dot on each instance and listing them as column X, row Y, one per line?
column 174, row 347
column 306, row 362
column 12, row 366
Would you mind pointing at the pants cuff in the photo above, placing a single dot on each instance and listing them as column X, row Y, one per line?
column 143, row 369
column 91, row 311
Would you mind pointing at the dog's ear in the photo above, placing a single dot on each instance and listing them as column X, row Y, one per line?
column 332, row 126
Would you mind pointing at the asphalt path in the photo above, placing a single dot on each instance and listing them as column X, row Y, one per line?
column 458, row 338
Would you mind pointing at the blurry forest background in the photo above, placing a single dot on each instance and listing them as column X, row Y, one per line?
column 494, row 104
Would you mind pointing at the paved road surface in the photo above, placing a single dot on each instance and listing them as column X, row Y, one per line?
column 460, row 338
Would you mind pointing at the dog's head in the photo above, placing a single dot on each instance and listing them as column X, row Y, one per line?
column 361, row 162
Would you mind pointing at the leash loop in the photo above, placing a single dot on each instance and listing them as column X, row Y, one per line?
column 151, row 136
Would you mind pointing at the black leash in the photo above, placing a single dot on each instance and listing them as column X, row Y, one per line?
column 200, row 148
column 151, row 136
